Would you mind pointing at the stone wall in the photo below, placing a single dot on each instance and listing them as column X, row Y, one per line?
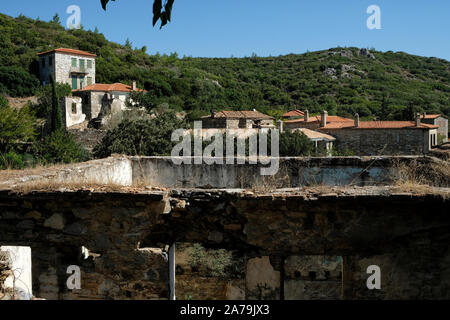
column 412, row 141
column 293, row 172
column 441, row 122
column 63, row 64
column 231, row 275
column 120, row 230
column 72, row 113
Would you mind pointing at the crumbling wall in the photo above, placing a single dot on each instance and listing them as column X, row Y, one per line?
column 209, row 274
column 119, row 228
column 313, row 278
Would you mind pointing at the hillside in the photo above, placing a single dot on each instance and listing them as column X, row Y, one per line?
column 342, row 80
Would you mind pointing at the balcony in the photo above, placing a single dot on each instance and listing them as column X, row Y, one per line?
column 79, row 70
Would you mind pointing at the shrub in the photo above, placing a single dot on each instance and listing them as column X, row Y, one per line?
column 295, row 144
column 17, row 82
column 16, row 127
column 44, row 97
column 11, row 160
column 141, row 137
column 60, row 147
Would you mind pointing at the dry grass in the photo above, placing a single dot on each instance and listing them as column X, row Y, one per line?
column 416, row 177
column 414, row 173
column 263, row 184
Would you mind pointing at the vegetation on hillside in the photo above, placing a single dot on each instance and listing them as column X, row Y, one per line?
column 344, row 81
column 341, row 80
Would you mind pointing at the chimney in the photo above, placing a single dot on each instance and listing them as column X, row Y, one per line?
column 306, row 116
column 356, row 120
column 424, row 115
column 213, row 113
column 418, row 120
column 324, row 118
column 133, row 86
column 280, row 125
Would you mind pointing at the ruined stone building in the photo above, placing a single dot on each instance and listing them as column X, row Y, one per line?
column 245, row 119
column 74, row 67
column 91, row 101
column 313, row 236
column 437, row 120
column 372, row 137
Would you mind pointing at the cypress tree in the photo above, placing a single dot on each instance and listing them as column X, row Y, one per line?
column 56, row 118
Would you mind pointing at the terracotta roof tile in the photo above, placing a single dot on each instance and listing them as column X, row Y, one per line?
column 293, row 113
column 245, row 114
column 378, row 125
column 330, row 119
column 431, row 116
column 315, row 135
column 109, row 87
column 69, row 51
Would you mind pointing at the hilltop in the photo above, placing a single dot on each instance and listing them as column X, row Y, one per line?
column 388, row 85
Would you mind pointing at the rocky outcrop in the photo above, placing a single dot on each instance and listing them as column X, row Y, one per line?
column 366, row 53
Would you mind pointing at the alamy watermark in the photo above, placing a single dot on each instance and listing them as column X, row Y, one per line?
column 74, row 20
column 374, row 21
column 74, row 280
column 257, row 147
column 374, row 281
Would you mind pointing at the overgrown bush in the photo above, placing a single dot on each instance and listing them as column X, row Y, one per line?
column 11, row 160
column 44, row 97
column 141, row 137
column 17, row 82
column 60, row 147
column 216, row 262
column 294, row 144
column 16, row 127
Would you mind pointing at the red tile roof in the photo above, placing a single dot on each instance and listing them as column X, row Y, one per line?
column 430, row 116
column 293, row 113
column 314, row 135
column 378, row 125
column 69, row 51
column 109, row 87
column 318, row 119
column 245, row 114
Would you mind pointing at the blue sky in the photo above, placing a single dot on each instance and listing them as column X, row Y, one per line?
column 224, row 28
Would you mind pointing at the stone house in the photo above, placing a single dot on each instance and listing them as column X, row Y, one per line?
column 91, row 101
column 372, row 137
column 246, row 119
column 437, row 120
column 382, row 137
column 96, row 96
column 74, row 67
column 312, row 122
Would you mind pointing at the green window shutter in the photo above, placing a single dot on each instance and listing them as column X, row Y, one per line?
column 74, row 62
column 89, row 64
column 74, row 82
column 89, row 81
column 81, row 64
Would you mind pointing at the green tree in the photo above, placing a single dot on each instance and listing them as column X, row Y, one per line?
column 16, row 127
column 294, row 144
column 43, row 107
column 56, row 19
column 141, row 137
column 17, row 82
column 56, row 120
